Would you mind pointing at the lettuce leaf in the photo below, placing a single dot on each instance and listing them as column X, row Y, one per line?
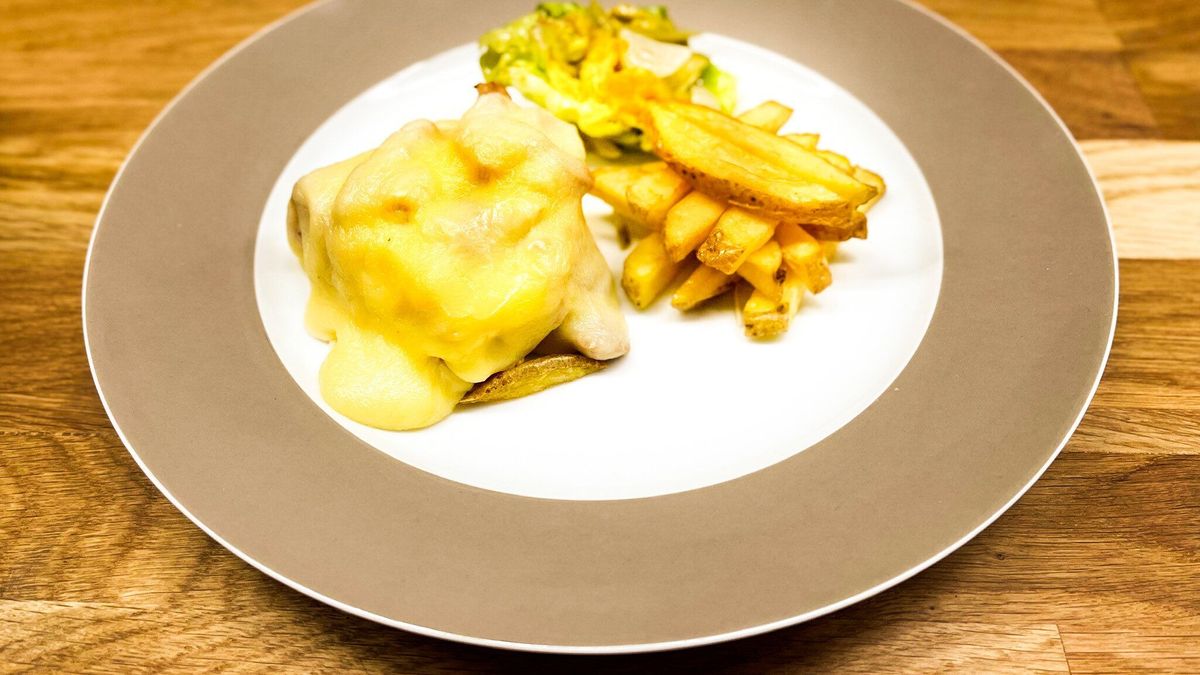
column 569, row 59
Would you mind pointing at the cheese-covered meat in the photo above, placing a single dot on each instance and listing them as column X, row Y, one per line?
column 446, row 255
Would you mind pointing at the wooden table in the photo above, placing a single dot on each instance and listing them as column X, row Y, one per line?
column 1097, row 568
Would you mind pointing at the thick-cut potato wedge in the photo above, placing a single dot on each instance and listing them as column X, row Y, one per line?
column 702, row 284
column 654, row 193
column 874, row 180
column 840, row 161
column 689, row 222
column 855, row 229
column 612, row 183
column 829, row 249
column 691, row 219
column 769, row 116
column 805, row 140
column 776, row 157
column 765, row 271
column 531, row 376
column 727, row 171
column 783, row 158
column 736, row 185
column 648, row 270
column 737, row 234
column 803, row 256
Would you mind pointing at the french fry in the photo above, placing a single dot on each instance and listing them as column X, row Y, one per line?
column 763, row 317
column 803, row 256
column 737, row 234
column 874, row 180
column 769, row 116
column 818, row 278
column 808, row 141
column 763, row 213
column 702, row 284
column 531, row 376
column 765, row 271
column 776, row 157
column 793, row 295
column 726, row 170
column 837, row 160
column 689, row 222
column 654, row 193
column 612, row 183
column 647, row 271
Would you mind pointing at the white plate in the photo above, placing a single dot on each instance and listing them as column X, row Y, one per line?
column 637, row 429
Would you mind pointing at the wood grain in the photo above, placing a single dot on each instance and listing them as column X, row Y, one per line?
column 1170, row 83
column 1100, row 100
column 1075, row 25
column 1097, row 569
column 1165, row 648
column 1102, row 543
column 1153, row 194
column 1154, row 24
column 1160, row 40
column 1149, row 399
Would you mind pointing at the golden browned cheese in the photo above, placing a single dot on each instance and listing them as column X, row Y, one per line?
column 446, row 255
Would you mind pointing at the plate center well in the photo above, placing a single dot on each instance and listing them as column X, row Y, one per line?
column 695, row 403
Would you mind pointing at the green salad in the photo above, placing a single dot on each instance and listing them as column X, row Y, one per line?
column 599, row 68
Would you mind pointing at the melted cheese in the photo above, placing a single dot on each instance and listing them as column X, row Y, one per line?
column 446, row 255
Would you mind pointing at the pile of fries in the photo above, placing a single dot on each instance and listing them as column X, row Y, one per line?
column 734, row 206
